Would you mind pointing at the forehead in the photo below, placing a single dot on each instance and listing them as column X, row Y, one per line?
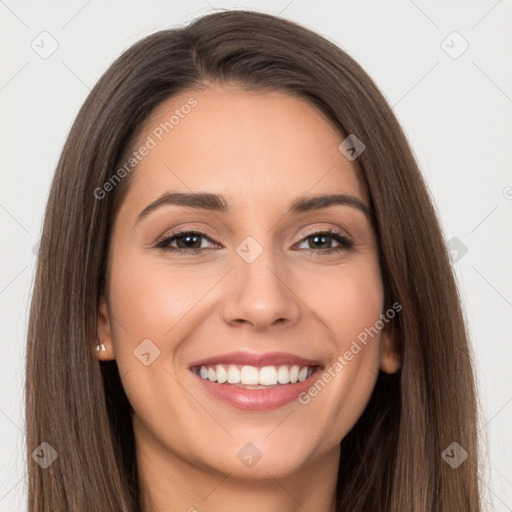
column 265, row 145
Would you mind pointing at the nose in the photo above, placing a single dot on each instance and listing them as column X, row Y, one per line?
column 260, row 293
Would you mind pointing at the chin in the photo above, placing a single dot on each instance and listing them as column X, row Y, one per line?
column 258, row 460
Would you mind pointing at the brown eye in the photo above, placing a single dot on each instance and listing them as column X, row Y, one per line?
column 186, row 241
column 323, row 241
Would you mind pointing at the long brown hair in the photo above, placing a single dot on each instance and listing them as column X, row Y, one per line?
column 392, row 459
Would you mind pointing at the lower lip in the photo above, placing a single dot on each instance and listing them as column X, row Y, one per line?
column 258, row 399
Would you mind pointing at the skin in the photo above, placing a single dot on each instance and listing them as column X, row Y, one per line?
column 261, row 151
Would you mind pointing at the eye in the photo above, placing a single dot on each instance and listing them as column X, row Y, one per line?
column 322, row 238
column 189, row 242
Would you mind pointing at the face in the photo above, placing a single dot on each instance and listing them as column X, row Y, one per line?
column 223, row 332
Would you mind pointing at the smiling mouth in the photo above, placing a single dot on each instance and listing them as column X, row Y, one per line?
column 253, row 377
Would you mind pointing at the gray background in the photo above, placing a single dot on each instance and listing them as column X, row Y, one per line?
column 455, row 108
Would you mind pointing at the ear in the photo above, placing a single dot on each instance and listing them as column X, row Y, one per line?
column 390, row 357
column 104, row 332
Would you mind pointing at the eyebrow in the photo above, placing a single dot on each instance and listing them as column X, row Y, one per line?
column 218, row 203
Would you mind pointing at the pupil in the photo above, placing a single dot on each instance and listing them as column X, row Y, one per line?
column 187, row 240
column 319, row 237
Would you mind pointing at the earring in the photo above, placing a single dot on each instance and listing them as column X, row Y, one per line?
column 100, row 348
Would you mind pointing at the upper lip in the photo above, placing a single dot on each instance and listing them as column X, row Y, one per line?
column 255, row 359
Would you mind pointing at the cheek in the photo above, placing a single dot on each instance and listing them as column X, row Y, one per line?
column 155, row 301
column 150, row 298
column 348, row 300
column 349, row 303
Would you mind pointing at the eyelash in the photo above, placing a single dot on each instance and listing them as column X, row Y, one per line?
column 345, row 243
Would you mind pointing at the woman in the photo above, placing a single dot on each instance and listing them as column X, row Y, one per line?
column 243, row 364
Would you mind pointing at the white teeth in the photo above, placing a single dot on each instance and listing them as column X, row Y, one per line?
column 268, row 376
column 283, row 375
column 222, row 374
column 233, row 374
column 252, row 376
column 249, row 375
column 294, row 374
column 303, row 374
